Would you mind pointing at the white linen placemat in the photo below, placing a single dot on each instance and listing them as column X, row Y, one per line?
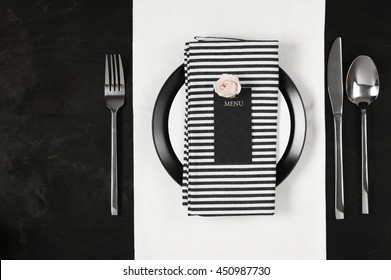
column 162, row 228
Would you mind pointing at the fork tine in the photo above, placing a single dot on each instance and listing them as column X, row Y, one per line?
column 111, row 73
column 115, row 73
column 107, row 79
column 121, row 72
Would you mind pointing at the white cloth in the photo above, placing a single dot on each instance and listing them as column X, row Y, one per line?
column 162, row 229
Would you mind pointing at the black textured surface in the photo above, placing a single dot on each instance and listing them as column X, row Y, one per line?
column 55, row 142
column 55, row 130
column 365, row 28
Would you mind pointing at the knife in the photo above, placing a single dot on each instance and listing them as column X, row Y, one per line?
column 335, row 89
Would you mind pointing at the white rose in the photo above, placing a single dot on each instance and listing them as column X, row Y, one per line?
column 227, row 86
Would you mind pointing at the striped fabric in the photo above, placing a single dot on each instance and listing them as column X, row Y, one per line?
column 240, row 189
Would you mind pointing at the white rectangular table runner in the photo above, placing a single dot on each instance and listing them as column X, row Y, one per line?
column 163, row 230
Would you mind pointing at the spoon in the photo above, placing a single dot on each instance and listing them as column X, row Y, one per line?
column 362, row 88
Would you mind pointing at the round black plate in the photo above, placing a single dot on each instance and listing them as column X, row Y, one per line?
column 161, row 136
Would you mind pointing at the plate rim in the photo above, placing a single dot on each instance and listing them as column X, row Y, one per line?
column 169, row 159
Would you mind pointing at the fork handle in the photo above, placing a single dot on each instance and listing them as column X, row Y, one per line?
column 114, row 173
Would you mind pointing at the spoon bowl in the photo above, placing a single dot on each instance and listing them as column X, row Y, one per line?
column 362, row 82
column 362, row 88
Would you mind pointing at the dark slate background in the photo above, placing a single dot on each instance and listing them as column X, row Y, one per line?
column 365, row 28
column 55, row 130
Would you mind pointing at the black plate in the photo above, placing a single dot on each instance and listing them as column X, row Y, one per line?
column 161, row 136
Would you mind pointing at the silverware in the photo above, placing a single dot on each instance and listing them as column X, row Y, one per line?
column 362, row 88
column 335, row 89
column 115, row 98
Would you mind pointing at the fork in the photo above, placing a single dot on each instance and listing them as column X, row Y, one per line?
column 115, row 98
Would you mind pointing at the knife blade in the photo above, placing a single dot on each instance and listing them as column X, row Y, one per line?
column 335, row 89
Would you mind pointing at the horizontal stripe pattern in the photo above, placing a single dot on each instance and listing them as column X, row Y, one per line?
column 209, row 189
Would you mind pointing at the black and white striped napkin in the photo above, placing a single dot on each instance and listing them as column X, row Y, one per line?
column 211, row 189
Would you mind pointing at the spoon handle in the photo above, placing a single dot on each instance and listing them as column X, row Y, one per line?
column 364, row 162
column 339, row 198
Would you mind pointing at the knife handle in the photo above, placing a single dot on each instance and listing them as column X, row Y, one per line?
column 339, row 198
